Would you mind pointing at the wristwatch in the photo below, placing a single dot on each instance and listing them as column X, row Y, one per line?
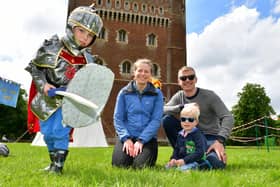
column 221, row 140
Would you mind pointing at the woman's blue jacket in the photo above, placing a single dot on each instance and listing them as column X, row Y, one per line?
column 137, row 115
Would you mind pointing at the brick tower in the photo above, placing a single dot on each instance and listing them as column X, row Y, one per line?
column 133, row 29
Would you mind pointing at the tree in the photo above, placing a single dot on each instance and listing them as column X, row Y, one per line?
column 253, row 104
column 13, row 121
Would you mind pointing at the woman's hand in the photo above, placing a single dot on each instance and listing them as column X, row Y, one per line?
column 128, row 147
column 138, row 148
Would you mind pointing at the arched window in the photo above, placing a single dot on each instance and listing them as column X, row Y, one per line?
column 135, row 7
column 146, row 20
column 152, row 9
column 100, row 12
column 103, row 34
column 126, row 67
column 151, row 40
column 108, row 3
column 115, row 16
column 127, row 5
column 118, row 4
column 122, row 36
column 99, row 2
column 161, row 11
column 155, row 70
column 144, row 8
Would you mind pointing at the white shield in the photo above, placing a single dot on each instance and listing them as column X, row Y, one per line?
column 86, row 95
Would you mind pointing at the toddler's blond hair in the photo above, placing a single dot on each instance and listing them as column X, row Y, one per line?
column 191, row 109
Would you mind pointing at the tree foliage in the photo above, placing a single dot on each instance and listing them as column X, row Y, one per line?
column 253, row 104
column 13, row 121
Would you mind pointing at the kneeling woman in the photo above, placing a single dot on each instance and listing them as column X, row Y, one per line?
column 137, row 115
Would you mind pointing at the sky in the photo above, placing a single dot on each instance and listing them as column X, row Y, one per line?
column 234, row 42
column 229, row 42
column 24, row 27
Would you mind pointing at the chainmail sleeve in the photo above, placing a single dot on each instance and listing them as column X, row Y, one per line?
column 38, row 76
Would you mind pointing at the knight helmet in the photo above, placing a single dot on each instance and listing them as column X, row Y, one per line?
column 85, row 17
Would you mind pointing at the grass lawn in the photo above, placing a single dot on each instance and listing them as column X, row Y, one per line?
column 92, row 167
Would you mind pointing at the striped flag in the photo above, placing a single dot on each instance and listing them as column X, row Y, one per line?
column 9, row 92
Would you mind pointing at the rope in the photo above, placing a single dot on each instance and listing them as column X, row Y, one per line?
column 249, row 125
column 19, row 138
column 240, row 126
column 244, row 128
column 273, row 128
column 251, row 139
column 245, row 141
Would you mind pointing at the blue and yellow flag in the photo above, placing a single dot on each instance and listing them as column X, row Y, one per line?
column 9, row 92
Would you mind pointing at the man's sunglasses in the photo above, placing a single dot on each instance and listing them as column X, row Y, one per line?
column 185, row 77
column 187, row 119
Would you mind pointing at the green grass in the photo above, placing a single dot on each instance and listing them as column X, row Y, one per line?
column 92, row 167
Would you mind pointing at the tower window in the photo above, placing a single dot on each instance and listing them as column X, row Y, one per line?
column 144, row 8
column 161, row 11
column 103, row 34
column 126, row 5
column 152, row 9
column 122, row 36
column 126, row 67
column 108, row 3
column 135, row 7
column 152, row 40
column 99, row 2
column 155, row 70
column 118, row 4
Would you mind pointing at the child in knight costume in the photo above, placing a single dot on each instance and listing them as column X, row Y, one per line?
column 55, row 64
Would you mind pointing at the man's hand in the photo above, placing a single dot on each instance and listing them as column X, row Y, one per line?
column 219, row 149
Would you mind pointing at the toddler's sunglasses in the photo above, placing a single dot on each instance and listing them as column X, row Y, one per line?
column 187, row 119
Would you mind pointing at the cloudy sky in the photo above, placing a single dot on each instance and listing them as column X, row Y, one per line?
column 230, row 42
column 234, row 42
column 24, row 26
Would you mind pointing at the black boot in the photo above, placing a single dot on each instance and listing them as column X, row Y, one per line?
column 60, row 157
column 215, row 162
column 52, row 158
